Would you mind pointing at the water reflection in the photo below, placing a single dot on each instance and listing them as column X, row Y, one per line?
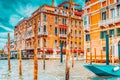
column 54, row 71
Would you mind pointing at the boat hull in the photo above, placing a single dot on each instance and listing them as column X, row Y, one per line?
column 103, row 70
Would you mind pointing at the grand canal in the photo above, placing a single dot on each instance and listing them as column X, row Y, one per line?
column 54, row 71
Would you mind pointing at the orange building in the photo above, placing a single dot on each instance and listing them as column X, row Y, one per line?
column 52, row 23
column 102, row 17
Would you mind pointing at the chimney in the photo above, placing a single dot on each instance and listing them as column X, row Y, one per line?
column 52, row 3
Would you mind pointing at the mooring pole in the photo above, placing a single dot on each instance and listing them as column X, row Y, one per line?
column 20, row 66
column 72, row 59
column 86, row 55
column 8, row 51
column 61, row 55
column 101, row 56
column 95, row 54
column 43, row 58
column 107, row 49
column 35, row 32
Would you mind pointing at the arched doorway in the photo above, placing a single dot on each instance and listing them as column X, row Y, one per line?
column 119, row 50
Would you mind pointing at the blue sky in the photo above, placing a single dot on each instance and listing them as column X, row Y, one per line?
column 12, row 11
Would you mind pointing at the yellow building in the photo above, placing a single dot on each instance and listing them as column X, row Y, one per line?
column 52, row 23
column 100, row 17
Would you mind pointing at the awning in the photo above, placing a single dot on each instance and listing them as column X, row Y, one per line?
column 40, row 50
column 78, row 13
column 63, row 26
column 80, row 51
column 49, row 51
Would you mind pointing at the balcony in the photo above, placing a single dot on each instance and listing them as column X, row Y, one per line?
column 87, row 28
column 29, row 36
column 63, row 35
column 42, row 33
column 111, row 21
column 102, row 23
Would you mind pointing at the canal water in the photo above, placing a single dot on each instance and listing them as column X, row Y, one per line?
column 54, row 71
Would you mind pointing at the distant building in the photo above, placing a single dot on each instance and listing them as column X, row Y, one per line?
column 13, row 51
column 52, row 23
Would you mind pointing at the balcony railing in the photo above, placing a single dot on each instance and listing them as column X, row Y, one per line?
column 29, row 36
column 112, row 21
column 63, row 35
column 42, row 33
column 87, row 28
column 102, row 23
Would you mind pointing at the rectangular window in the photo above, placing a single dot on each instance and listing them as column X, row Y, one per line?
column 80, row 45
column 104, row 48
column 55, row 43
column 71, row 44
column 44, row 17
column 64, row 21
column 118, row 31
column 56, row 19
column 39, row 29
column 88, row 49
column 118, row 7
column 103, row 34
column 75, row 23
column 111, row 32
column 104, row 15
column 85, row 20
column 112, row 13
column 80, row 34
column 55, row 31
column 87, row 37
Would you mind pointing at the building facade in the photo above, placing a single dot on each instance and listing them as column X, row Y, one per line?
column 102, row 17
column 52, row 23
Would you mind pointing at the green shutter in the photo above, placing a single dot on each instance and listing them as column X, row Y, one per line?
column 101, row 35
column 55, row 31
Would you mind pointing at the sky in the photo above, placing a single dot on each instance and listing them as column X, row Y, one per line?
column 12, row 11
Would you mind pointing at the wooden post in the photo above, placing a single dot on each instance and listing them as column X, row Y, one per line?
column 95, row 54
column 20, row 66
column 43, row 59
column 67, row 72
column 110, row 55
column 86, row 55
column 90, row 57
column 101, row 56
column 35, row 32
column 67, row 64
column 72, row 59
column 8, row 51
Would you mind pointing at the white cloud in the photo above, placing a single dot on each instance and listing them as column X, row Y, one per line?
column 6, row 28
column 14, row 19
column 26, row 11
